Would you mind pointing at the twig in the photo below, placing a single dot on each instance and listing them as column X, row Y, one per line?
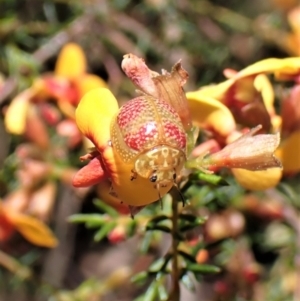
column 8, row 87
column 243, row 24
column 126, row 23
column 76, row 28
column 14, row 266
column 57, row 261
column 175, row 292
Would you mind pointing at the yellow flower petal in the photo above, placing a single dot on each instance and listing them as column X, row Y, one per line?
column 33, row 230
column 263, row 85
column 36, row 130
column 289, row 66
column 89, row 82
column 66, row 108
column 216, row 91
column 276, row 123
column 282, row 68
column 288, row 153
column 138, row 192
column 103, row 191
column 210, row 112
column 258, row 180
column 71, row 62
column 16, row 113
column 87, row 144
column 94, row 114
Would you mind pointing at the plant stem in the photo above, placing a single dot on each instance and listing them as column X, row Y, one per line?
column 14, row 266
column 175, row 292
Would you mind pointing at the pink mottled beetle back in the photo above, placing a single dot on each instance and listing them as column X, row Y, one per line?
column 148, row 133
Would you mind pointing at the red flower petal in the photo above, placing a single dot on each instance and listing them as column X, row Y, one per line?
column 90, row 174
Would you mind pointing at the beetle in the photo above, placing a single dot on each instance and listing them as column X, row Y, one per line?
column 147, row 132
column 140, row 148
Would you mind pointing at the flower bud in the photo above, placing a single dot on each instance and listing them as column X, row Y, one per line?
column 67, row 128
column 42, row 201
column 118, row 234
column 50, row 114
column 6, row 226
column 202, row 256
column 36, row 130
column 251, row 273
column 136, row 69
column 247, row 152
column 32, row 173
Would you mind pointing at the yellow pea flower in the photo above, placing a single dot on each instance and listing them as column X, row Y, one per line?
column 210, row 113
column 67, row 84
column 94, row 115
column 34, row 230
column 239, row 91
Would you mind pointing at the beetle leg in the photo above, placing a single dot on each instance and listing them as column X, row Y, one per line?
column 161, row 202
column 112, row 191
column 133, row 175
column 134, row 210
column 174, row 176
column 180, row 194
column 131, row 211
column 182, row 197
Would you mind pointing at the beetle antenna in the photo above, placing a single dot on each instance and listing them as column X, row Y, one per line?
column 160, row 199
column 179, row 192
column 131, row 210
column 159, row 196
column 183, row 200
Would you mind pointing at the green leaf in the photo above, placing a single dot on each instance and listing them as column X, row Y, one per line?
column 106, row 208
column 162, row 228
column 90, row 219
column 151, row 292
column 210, row 178
column 157, row 265
column 187, row 281
column 131, row 227
column 140, row 278
column 187, row 256
column 165, row 229
column 18, row 60
column 160, row 264
column 140, row 298
column 290, row 192
column 162, row 292
column 188, row 227
column 159, row 218
column 168, row 257
column 146, row 242
column 104, row 230
column 203, row 268
column 196, row 219
column 187, row 217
